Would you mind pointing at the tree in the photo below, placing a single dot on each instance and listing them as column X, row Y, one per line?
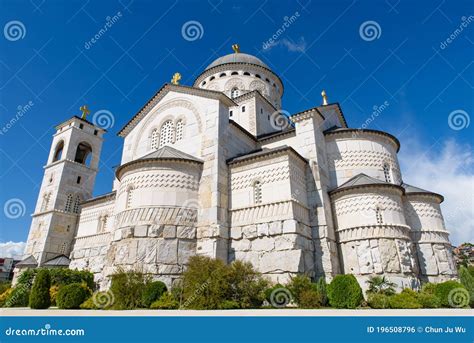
column 39, row 296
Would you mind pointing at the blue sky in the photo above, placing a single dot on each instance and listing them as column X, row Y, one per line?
column 49, row 68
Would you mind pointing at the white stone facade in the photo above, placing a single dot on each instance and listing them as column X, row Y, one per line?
column 216, row 170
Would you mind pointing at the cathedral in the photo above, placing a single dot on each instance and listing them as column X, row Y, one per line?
column 219, row 169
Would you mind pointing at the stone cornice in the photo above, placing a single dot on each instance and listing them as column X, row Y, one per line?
column 274, row 135
column 37, row 214
column 70, row 161
column 252, row 157
column 306, row 114
column 160, row 94
column 421, row 195
column 365, row 232
column 357, row 132
column 225, row 67
column 336, row 193
column 144, row 161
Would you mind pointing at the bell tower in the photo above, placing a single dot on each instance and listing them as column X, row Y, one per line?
column 69, row 177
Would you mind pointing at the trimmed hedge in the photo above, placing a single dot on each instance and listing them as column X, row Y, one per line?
column 72, row 296
column 153, row 291
column 407, row 299
column 428, row 300
column 443, row 289
column 344, row 292
column 39, row 296
column 166, row 302
column 378, row 300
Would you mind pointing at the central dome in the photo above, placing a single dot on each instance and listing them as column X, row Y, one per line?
column 237, row 58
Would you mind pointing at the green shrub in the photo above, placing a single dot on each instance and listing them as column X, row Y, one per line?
column 429, row 288
column 72, row 296
column 65, row 276
column 27, row 277
column 378, row 300
column 4, row 285
column 268, row 292
column 428, row 300
column 229, row 305
column 310, row 298
column 321, row 288
column 53, row 293
column 299, row 284
column 467, row 280
column 344, row 292
column 166, row 302
column 89, row 304
column 406, row 299
column 127, row 288
column 380, row 285
column 39, row 295
column 4, row 296
column 246, row 285
column 19, row 296
column 443, row 290
column 152, row 292
column 205, row 283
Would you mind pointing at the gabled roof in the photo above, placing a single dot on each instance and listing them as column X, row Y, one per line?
column 412, row 190
column 168, row 152
column 30, row 261
column 58, row 261
column 324, row 111
column 160, row 94
column 363, row 180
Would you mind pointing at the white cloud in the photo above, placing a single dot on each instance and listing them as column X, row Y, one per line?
column 12, row 249
column 446, row 168
column 290, row 45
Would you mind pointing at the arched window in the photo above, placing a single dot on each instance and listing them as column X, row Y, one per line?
column 222, row 75
column 203, row 83
column 234, row 73
column 83, row 153
column 246, row 73
column 386, row 173
column 167, row 133
column 267, row 80
column 63, row 248
column 68, row 206
column 45, row 203
column 102, row 223
column 257, row 192
column 154, row 139
column 258, row 76
column 378, row 216
column 77, row 201
column 212, row 78
column 179, row 130
column 58, row 152
column 129, row 199
column 234, row 93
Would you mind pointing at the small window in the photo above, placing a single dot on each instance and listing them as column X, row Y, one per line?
column 83, row 153
column 179, row 130
column 230, row 113
column 68, row 206
column 386, row 173
column 258, row 76
column 128, row 203
column 257, row 192
column 378, row 216
column 59, row 151
column 234, row 93
column 243, row 109
column 63, row 248
column 261, row 110
column 268, row 116
column 45, row 204
column 77, row 201
column 203, row 83
column 212, row 78
column 81, row 126
column 222, row 75
column 274, row 85
column 154, row 139
column 96, row 132
column 234, row 73
column 78, row 181
column 267, row 80
column 167, row 133
column 102, row 224
column 247, row 73
column 51, row 178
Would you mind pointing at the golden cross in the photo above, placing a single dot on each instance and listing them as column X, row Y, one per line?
column 236, row 48
column 85, row 111
column 325, row 97
column 175, row 79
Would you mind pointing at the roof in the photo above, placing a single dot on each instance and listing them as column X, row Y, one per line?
column 336, row 130
column 160, row 94
column 64, row 123
column 30, row 261
column 60, row 260
column 237, row 58
column 412, row 190
column 264, row 152
column 363, row 180
column 106, row 196
column 166, row 153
